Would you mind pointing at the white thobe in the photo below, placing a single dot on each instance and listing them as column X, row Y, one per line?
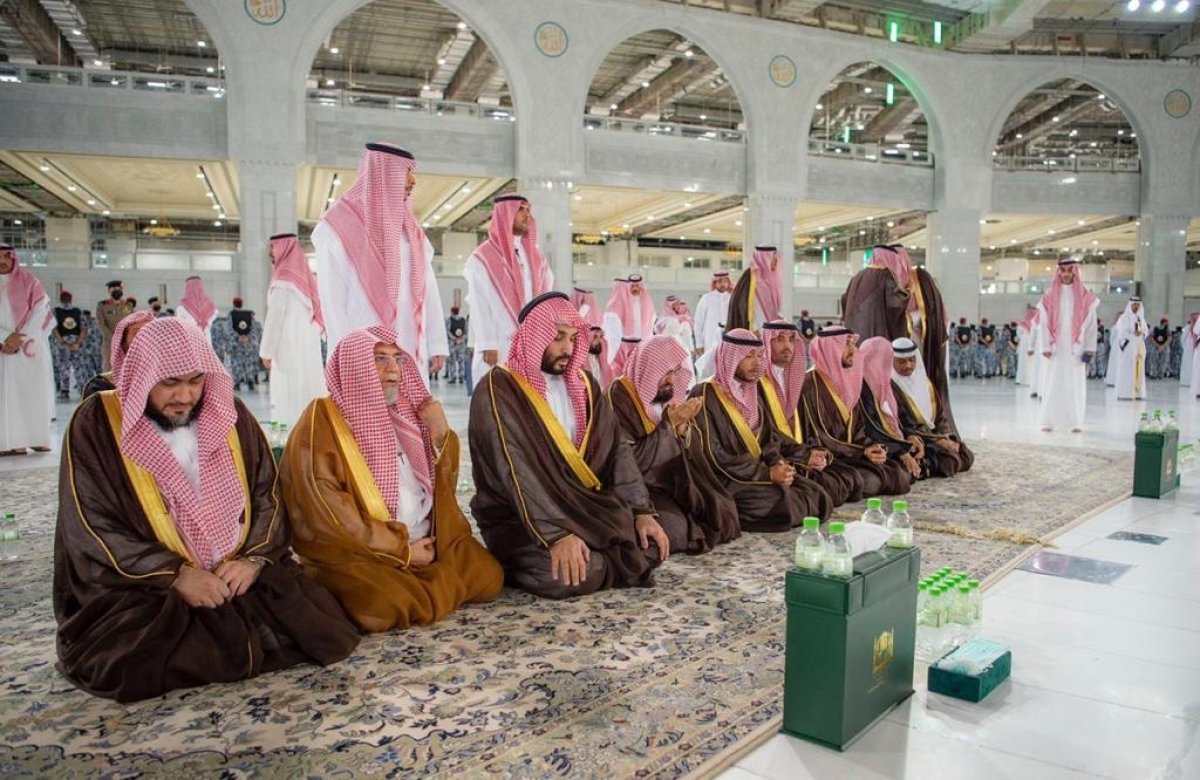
column 492, row 327
column 614, row 329
column 413, row 502
column 680, row 330
column 292, row 342
column 183, row 313
column 1037, row 363
column 1185, row 367
column 25, row 380
column 710, row 319
column 1063, row 388
column 184, row 442
column 1131, row 362
column 560, row 403
column 345, row 306
column 1024, row 339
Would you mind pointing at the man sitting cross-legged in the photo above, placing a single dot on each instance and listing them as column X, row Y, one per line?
column 924, row 415
column 656, row 420
column 369, row 476
column 559, row 500
column 744, row 447
column 171, row 560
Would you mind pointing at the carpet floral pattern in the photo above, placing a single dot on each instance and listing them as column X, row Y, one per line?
column 656, row 682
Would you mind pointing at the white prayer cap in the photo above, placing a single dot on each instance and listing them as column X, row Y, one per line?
column 903, row 347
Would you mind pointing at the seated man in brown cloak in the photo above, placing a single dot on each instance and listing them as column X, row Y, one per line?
column 925, row 415
column 560, row 501
column 369, row 477
column 743, row 446
column 650, row 401
column 779, row 391
column 171, row 560
column 831, row 418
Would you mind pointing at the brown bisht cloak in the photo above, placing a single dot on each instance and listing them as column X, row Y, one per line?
column 742, row 301
column 694, row 510
column 98, row 384
column 742, row 460
column 875, row 305
column 534, row 487
column 840, row 480
column 826, row 423
column 347, row 540
column 939, row 462
column 880, row 431
column 123, row 631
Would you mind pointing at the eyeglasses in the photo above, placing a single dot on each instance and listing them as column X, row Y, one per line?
column 383, row 360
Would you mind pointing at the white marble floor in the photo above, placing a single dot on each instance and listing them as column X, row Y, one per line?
column 1106, row 678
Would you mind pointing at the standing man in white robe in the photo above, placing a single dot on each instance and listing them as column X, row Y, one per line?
column 1189, row 349
column 503, row 274
column 374, row 263
column 1129, row 337
column 630, row 312
column 291, row 337
column 26, row 383
column 710, row 323
column 676, row 322
column 1067, row 340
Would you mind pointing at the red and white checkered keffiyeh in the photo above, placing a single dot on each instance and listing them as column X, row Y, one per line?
column 875, row 357
column 827, row 350
column 500, row 258
column 534, row 334
column 1081, row 298
column 648, row 365
column 793, row 372
column 621, row 359
column 291, row 272
column 729, row 354
column 372, row 219
column 211, row 521
column 585, row 302
column 895, row 259
column 117, row 352
column 606, row 370
column 677, row 308
column 622, row 301
column 768, row 283
column 378, row 428
column 25, row 292
column 197, row 302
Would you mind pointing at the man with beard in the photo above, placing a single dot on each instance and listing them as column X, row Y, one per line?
column 598, row 360
column 559, row 500
column 923, row 419
column 171, row 559
column 744, row 448
column 26, row 394
column 1129, row 334
column 630, row 311
column 831, row 418
column 780, row 388
column 1067, row 340
column 369, row 476
column 649, row 400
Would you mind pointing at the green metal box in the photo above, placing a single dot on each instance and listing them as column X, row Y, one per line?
column 1154, row 464
column 850, row 646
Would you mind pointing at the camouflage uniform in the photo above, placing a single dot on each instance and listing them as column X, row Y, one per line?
column 245, row 336
column 459, row 362
column 67, row 341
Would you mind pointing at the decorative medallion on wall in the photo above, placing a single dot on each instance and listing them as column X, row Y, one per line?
column 550, row 39
column 783, row 70
column 266, row 11
column 1178, row 103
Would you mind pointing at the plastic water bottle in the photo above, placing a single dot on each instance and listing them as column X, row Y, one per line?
column 283, row 434
column 962, row 615
column 1171, row 423
column 838, row 561
column 810, row 546
column 976, row 604
column 11, row 546
column 930, row 633
column 1156, row 423
column 1144, row 423
column 900, row 526
column 874, row 514
column 922, row 609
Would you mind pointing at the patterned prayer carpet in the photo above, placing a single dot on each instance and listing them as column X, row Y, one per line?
column 661, row 682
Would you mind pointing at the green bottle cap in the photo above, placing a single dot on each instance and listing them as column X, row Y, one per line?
column 964, row 587
column 945, row 570
column 974, row 583
column 874, row 503
column 812, row 523
column 837, row 528
column 899, row 506
column 922, row 586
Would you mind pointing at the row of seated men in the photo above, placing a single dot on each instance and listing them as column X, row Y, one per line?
column 174, row 562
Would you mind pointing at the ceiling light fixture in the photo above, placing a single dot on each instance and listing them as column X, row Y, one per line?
column 202, row 44
column 1157, row 6
column 1182, row 6
column 1133, row 5
column 335, row 50
column 76, row 31
column 462, row 25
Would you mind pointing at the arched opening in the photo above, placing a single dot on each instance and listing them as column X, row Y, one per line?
column 410, row 55
column 661, row 83
column 868, row 113
column 1067, row 125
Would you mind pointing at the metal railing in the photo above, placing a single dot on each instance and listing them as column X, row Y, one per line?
column 343, row 98
column 1039, row 286
column 869, row 153
column 1078, row 164
column 142, row 259
column 110, row 79
column 662, row 129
